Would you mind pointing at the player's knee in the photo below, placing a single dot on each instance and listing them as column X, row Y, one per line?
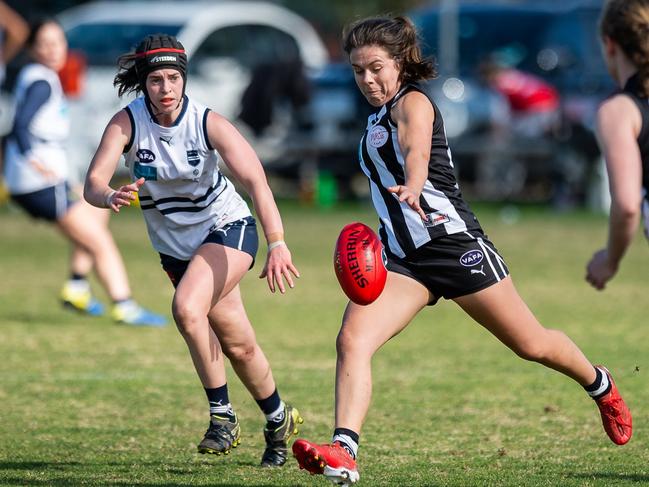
column 343, row 342
column 240, row 353
column 531, row 350
column 186, row 316
column 347, row 343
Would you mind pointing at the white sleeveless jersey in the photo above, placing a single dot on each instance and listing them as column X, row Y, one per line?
column 49, row 129
column 185, row 195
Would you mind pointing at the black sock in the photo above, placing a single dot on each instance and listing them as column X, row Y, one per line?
column 77, row 277
column 348, row 439
column 220, row 402
column 270, row 405
column 600, row 387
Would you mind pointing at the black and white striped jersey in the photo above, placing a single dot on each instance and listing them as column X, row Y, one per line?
column 631, row 89
column 401, row 228
column 185, row 195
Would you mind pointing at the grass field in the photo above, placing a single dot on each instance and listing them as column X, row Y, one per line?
column 84, row 401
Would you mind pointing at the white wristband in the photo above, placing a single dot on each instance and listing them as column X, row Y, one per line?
column 108, row 201
column 277, row 243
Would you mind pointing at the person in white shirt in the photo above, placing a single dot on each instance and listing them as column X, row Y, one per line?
column 202, row 229
column 36, row 175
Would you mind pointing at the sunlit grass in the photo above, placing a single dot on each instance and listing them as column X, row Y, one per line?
column 87, row 402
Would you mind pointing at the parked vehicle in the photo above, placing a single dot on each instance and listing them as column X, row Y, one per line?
column 497, row 156
column 560, row 46
column 228, row 44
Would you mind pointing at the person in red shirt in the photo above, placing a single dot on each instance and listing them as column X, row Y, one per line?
column 533, row 101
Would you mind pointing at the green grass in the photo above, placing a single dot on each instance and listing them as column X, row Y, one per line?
column 86, row 402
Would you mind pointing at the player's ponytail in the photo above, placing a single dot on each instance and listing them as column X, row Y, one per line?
column 126, row 79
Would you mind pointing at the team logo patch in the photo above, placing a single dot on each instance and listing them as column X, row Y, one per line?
column 193, row 158
column 436, row 218
column 163, row 59
column 150, row 173
column 378, row 136
column 471, row 258
column 145, row 156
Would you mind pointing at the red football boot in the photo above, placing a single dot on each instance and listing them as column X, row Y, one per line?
column 332, row 461
column 616, row 416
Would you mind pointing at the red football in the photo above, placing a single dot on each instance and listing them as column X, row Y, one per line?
column 359, row 264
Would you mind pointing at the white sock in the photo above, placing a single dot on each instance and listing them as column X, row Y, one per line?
column 221, row 409
column 78, row 285
column 603, row 385
column 277, row 416
column 347, row 443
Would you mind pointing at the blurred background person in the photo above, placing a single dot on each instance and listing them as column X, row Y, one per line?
column 533, row 102
column 623, row 131
column 275, row 85
column 36, row 175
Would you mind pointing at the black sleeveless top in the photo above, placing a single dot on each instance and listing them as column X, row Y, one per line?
column 401, row 228
column 631, row 89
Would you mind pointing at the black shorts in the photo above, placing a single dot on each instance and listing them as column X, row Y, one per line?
column 453, row 265
column 239, row 234
column 49, row 204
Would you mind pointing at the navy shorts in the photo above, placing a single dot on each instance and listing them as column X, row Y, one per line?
column 239, row 234
column 49, row 204
column 453, row 265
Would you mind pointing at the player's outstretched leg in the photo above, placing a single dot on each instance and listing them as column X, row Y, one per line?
column 616, row 416
column 278, row 435
column 331, row 460
column 221, row 436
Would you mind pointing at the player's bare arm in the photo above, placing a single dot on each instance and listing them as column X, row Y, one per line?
column 414, row 117
column 246, row 167
column 618, row 125
column 104, row 163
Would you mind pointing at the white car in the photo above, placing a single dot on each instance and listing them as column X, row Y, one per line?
column 224, row 40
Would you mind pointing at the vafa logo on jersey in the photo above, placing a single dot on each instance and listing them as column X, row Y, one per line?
column 471, row 258
column 145, row 156
column 377, row 136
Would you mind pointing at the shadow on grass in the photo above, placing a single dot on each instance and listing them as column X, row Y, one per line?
column 25, row 317
column 36, row 465
column 77, row 474
column 71, row 481
column 628, row 477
